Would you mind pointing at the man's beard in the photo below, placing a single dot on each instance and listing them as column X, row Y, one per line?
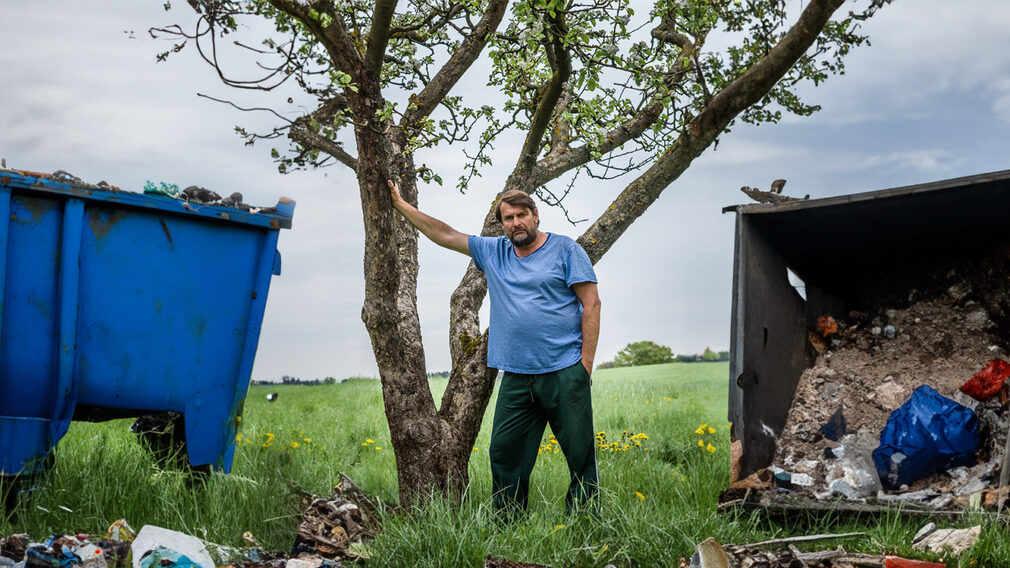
column 526, row 240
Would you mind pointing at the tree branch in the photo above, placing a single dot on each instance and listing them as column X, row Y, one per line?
column 301, row 133
column 378, row 36
column 560, row 60
column 339, row 46
column 713, row 119
column 425, row 102
column 554, row 165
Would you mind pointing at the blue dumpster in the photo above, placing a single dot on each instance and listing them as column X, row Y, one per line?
column 121, row 304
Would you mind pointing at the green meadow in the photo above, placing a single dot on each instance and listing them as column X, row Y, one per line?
column 663, row 459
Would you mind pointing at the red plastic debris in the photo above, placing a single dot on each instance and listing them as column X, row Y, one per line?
column 987, row 383
column 896, row 562
column 826, row 325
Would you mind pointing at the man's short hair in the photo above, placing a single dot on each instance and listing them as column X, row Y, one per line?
column 515, row 198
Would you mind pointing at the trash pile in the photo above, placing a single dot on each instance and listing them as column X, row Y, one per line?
column 193, row 194
column 905, row 401
column 332, row 530
column 783, row 553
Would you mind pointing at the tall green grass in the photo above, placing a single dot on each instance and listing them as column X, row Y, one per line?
column 657, row 501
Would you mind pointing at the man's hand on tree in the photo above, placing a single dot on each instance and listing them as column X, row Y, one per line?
column 394, row 191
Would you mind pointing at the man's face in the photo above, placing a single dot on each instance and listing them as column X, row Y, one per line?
column 520, row 224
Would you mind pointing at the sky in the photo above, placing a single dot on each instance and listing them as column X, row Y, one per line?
column 928, row 100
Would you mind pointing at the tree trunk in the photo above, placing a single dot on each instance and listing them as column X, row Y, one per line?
column 429, row 453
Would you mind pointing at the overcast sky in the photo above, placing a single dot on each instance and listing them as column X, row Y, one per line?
column 929, row 100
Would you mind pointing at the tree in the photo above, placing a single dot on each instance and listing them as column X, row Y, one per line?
column 709, row 356
column 643, row 353
column 599, row 90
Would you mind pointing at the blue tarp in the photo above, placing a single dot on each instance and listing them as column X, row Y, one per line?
column 927, row 434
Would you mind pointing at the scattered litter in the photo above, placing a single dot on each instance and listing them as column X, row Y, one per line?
column 332, row 527
column 709, row 554
column 156, row 546
column 165, row 189
column 895, row 562
column 947, row 541
column 782, row 553
column 14, row 546
column 491, row 562
column 988, row 382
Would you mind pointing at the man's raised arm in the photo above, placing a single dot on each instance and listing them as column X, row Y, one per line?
column 440, row 233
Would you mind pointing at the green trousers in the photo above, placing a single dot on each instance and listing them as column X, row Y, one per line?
column 526, row 404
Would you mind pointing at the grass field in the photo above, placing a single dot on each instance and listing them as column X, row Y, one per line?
column 658, row 497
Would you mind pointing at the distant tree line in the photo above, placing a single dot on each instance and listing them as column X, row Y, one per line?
column 289, row 380
column 651, row 353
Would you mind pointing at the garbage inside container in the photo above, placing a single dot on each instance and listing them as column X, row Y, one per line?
column 917, row 283
column 988, row 382
column 118, row 304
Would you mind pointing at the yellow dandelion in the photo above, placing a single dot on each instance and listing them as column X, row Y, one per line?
column 364, row 443
column 559, row 527
column 711, row 430
column 639, row 495
column 710, row 448
column 644, row 437
column 701, row 443
column 369, row 441
column 307, row 440
column 475, row 448
column 700, row 430
column 378, row 447
column 295, row 444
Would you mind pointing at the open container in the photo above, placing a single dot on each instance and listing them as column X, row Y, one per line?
column 116, row 304
column 802, row 259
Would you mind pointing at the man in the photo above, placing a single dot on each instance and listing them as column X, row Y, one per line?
column 545, row 322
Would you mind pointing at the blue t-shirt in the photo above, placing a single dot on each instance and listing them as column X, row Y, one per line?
column 536, row 318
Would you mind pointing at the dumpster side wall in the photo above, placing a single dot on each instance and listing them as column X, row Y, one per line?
column 127, row 302
column 769, row 339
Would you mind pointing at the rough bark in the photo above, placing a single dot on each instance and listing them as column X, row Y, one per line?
column 432, row 452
